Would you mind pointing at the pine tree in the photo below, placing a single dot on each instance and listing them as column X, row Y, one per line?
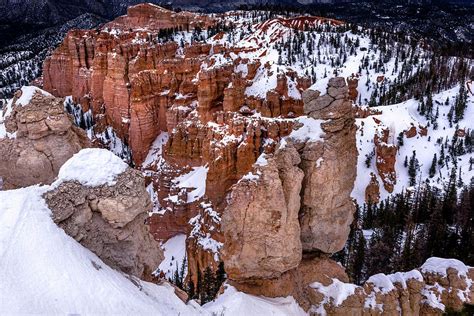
column 432, row 171
column 358, row 259
column 190, row 287
column 441, row 157
column 400, row 139
column 461, row 102
column 208, row 291
column 412, row 169
column 221, row 276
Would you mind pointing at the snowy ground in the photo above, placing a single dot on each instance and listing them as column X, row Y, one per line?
column 44, row 271
column 174, row 250
column 399, row 118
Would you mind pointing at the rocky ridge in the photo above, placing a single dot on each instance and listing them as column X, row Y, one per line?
column 283, row 219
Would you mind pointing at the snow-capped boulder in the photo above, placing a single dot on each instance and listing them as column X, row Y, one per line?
column 103, row 204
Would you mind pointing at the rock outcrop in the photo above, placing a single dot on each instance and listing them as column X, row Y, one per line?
column 385, row 158
column 110, row 221
column 372, row 191
column 262, row 232
column 296, row 202
column 330, row 170
column 43, row 139
column 424, row 291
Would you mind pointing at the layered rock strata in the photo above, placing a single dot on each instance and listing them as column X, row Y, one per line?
column 142, row 85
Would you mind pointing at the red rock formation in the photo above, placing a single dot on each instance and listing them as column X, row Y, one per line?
column 196, row 93
column 135, row 81
column 411, row 132
column 372, row 191
column 352, row 83
column 385, row 158
column 364, row 112
column 157, row 18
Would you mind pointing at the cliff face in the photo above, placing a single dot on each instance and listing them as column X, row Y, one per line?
column 141, row 85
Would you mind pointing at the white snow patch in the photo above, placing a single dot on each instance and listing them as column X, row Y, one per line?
column 174, row 250
column 156, row 149
column 235, row 303
column 92, row 167
column 310, row 131
column 195, row 179
column 440, row 266
column 336, row 293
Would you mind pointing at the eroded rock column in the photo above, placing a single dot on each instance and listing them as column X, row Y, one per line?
column 330, row 170
column 294, row 209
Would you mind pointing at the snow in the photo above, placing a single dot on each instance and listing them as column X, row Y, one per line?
column 156, row 150
column 251, row 176
column 337, row 292
column 44, row 271
column 310, row 131
column 381, row 281
column 262, row 160
column 385, row 283
column 440, row 266
column 233, row 302
column 399, row 118
column 154, row 200
column 195, row 179
column 27, row 93
column 432, row 296
column 174, row 250
column 92, row 167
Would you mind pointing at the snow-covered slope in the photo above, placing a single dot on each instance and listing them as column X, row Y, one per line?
column 399, row 118
column 44, row 271
column 233, row 302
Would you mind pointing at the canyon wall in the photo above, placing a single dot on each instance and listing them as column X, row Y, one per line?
column 142, row 85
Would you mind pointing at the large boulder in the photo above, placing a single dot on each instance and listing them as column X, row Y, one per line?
column 107, row 218
column 42, row 137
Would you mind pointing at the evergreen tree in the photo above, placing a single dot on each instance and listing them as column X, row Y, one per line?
column 358, row 259
column 208, row 291
column 412, row 169
column 221, row 276
column 434, row 162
